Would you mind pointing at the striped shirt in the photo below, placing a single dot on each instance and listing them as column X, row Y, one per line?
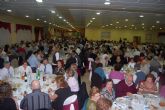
column 35, row 101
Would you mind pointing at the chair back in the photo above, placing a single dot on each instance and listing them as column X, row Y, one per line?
column 71, row 103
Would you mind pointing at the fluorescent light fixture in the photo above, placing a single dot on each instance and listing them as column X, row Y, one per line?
column 153, row 26
column 38, row 19
column 117, row 22
column 107, row 25
column 52, row 11
column 98, row 13
column 9, row 11
column 64, row 20
column 111, row 24
column 27, row 16
column 93, row 18
column 143, row 24
column 45, row 21
column 125, row 26
column 50, row 23
column 132, row 25
column 141, row 16
column 39, row 1
column 60, row 17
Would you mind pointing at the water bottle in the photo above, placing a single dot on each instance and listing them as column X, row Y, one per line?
column 25, row 77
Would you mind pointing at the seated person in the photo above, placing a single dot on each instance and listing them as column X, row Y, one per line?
column 58, row 97
column 24, row 68
column 59, row 70
column 7, row 71
column 6, row 100
column 116, row 74
column 72, row 81
column 126, row 86
column 149, row 85
column 108, row 91
column 46, row 67
column 37, row 99
column 90, row 103
column 104, row 104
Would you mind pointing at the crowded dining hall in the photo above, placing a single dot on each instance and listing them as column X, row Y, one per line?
column 82, row 55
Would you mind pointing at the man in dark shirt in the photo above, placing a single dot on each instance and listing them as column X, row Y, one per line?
column 36, row 100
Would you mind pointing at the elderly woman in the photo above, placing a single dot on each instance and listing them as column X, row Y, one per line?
column 108, row 91
column 149, row 85
column 6, row 100
column 126, row 86
column 90, row 103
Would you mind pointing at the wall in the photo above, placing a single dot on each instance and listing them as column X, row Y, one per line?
column 95, row 34
column 18, row 20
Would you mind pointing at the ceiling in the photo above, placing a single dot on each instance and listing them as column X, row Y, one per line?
column 74, row 14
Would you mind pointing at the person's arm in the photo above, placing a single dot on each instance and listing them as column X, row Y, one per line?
column 23, row 104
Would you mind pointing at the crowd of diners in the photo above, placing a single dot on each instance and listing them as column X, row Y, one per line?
column 137, row 68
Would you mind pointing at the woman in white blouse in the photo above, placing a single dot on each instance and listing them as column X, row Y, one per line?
column 24, row 68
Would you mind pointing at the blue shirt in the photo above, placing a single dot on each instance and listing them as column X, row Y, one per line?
column 33, row 61
column 100, row 72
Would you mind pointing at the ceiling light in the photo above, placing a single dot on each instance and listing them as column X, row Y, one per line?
column 93, row 18
column 39, row 1
column 132, row 25
column 107, row 25
column 9, row 11
column 98, row 13
column 107, row 2
column 60, row 17
column 117, row 22
column 45, row 21
column 125, row 26
column 126, row 20
column 143, row 24
column 27, row 16
column 141, row 16
column 91, row 21
column 37, row 19
column 157, row 21
column 160, row 28
column 153, row 26
column 143, row 27
column 64, row 20
column 50, row 23
column 52, row 11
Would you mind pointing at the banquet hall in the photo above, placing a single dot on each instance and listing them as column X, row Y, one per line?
column 82, row 54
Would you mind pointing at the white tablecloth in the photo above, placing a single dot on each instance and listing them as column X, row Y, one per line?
column 138, row 102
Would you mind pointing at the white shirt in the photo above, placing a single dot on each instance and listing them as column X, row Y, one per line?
column 73, row 84
column 48, row 69
column 28, row 70
column 6, row 73
column 57, row 56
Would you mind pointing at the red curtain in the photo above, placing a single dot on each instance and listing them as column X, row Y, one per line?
column 38, row 30
column 5, row 26
column 23, row 27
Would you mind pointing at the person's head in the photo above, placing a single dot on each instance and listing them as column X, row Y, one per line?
column 74, row 66
column 25, row 64
column 60, row 81
column 60, row 63
column 97, row 60
column 7, row 64
column 109, row 84
column 129, row 76
column 45, row 61
column 103, row 104
column 118, row 59
column 99, row 65
column 94, row 93
column 69, row 72
column 117, row 67
column 5, row 90
column 150, row 78
column 35, row 85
